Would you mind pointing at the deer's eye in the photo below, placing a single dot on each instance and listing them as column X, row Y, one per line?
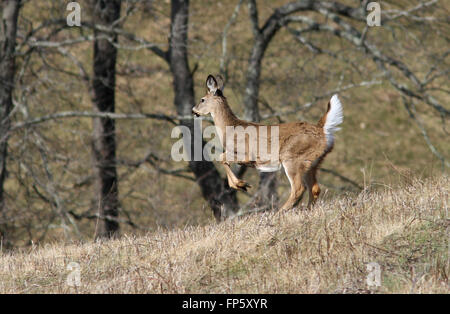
column 203, row 100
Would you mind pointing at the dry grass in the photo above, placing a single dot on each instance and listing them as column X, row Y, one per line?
column 377, row 136
column 326, row 250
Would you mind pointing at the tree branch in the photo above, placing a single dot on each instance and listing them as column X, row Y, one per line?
column 412, row 114
column 351, row 34
column 253, row 13
column 87, row 114
column 343, row 178
column 223, row 58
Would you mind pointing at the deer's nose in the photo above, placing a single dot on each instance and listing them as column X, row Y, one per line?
column 195, row 113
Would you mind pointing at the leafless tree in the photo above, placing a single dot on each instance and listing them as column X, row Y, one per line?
column 105, row 13
column 220, row 197
column 8, row 30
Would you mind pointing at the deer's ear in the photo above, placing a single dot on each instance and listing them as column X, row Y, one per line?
column 220, row 81
column 211, row 84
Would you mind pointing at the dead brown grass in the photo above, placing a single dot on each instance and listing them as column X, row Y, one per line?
column 405, row 230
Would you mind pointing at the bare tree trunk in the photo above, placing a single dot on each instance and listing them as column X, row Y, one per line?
column 103, row 99
column 267, row 188
column 213, row 187
column 266, row 195
column 9, row 16
column 253, row 80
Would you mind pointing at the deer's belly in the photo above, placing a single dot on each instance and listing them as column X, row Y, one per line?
column 269, row 167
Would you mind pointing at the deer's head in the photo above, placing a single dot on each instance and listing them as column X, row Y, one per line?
column 213, row 97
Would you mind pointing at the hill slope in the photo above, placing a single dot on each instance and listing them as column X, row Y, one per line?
column 404, row 230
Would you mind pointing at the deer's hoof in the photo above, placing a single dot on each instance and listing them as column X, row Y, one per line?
column 242, row 185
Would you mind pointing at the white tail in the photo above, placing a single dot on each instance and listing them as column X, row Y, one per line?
column 335, row 116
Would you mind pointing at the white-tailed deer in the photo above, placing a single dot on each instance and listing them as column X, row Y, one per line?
column 302, row 146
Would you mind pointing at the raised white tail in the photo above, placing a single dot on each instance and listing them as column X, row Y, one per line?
column 334, row 117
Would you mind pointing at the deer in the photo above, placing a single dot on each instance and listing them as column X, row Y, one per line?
column 302, row 145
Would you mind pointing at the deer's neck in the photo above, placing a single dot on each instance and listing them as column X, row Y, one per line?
column 223, row 117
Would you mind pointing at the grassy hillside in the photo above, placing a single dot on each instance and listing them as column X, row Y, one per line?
column 52, row 162
column 404, row 229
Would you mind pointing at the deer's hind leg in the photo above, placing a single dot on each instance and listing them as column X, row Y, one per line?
column 294, row 171
column 312, row 186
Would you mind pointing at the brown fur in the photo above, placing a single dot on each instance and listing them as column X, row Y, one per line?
column 302, row 146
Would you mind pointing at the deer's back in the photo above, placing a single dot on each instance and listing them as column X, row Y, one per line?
column 301, row 140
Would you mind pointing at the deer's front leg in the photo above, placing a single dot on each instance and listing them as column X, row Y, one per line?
column 233, row 181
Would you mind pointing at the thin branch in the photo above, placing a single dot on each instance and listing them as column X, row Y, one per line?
column 349, row 33
column 253, row 13
column 153, row 160
column 343, row 178
column 33, row 42
column 319, row 97
column 412, row 114
column 96, row 216
column 223, row 59
column 407, row 13
column 83, row 73
column 87, row 114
